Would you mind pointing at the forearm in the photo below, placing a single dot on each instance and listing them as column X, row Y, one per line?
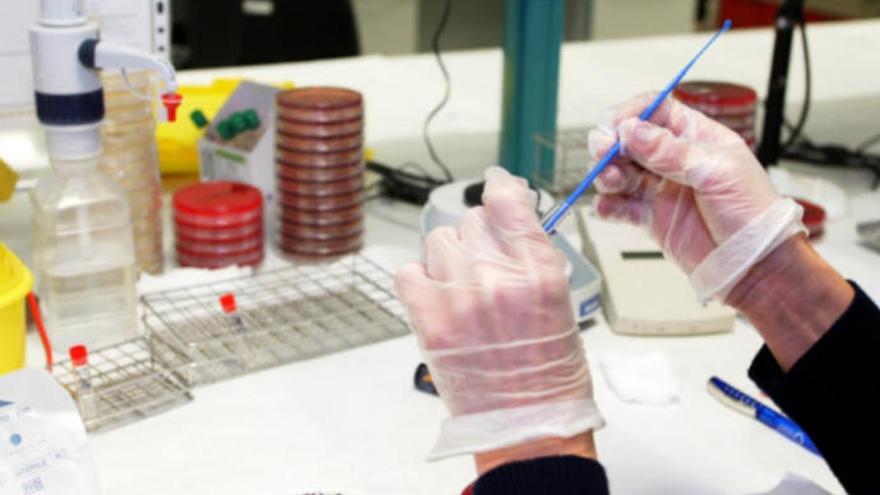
column 792, row 297
column 832, row 392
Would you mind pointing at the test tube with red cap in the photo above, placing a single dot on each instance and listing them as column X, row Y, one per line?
column 230, row 307
column 243, row 349
column 85, row 393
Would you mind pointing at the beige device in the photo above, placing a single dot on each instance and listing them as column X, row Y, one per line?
column 643, row 293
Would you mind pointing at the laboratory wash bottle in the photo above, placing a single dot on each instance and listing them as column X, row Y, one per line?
column 83, row 247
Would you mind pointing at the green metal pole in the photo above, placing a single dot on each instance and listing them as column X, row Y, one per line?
column 533, row 32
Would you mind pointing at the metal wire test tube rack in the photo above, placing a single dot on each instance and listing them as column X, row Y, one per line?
column 282, row 316
column 130, row 381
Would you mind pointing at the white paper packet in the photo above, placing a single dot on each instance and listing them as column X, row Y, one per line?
column 43, row 444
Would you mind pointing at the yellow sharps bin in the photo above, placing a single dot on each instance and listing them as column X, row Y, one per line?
column 15, row 283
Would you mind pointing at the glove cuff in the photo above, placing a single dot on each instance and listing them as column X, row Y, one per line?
column 728, row 263
column 481, row 432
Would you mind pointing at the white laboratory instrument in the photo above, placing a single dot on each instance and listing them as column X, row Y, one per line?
column 644, row 293
column 140, row 24
column 447, row 203
column 83, row 248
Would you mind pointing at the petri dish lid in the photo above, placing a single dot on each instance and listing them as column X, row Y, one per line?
column 312, row 159
column 715, row 93
column 327, row 217
column 211, row 249
column 319, row 98
column 218, row 198
column 319, row 144
column 314, row 174
column 203, row 233
column 296, row 128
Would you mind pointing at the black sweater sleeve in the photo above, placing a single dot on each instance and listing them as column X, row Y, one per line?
column 564, row 475
column 833, row 392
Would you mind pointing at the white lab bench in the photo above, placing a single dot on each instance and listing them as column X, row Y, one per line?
column 352, row 423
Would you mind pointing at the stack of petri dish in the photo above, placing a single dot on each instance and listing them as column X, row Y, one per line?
column 218, row 224
column 731, row 104
column 319, row 172
column 130, row 158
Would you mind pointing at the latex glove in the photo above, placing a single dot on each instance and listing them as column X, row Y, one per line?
column 491, row 310
column 697, row 188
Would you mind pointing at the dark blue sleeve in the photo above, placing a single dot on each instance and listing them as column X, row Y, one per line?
column 833, row 392
column 563, row 475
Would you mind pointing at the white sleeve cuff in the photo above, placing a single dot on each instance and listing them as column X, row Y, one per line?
column 500, row 428
column 728, row 263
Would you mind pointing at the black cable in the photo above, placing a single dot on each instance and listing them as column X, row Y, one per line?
column 435, row 46
column 808, row 88
column 800, row 147
column 402, row 185
column 868, row 143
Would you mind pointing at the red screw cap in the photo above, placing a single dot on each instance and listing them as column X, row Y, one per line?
column 228, row 303
column 79, row 355
column 171, row 102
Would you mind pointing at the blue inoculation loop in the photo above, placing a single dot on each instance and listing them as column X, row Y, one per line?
column 559, row 212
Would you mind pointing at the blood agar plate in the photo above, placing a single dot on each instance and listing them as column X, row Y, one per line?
column 733, row 105
column 322, row 232
column 251, row 258
column 218, row 224
column 318, row 97
column 221, row 203
column 317, row 174
column 327, row 247
column 321, row 188
column 326, row 218
column 306, row 159
column 320, row 145
column 326, row 130
column 319, row 168
column 717, row 98
column 322, row 203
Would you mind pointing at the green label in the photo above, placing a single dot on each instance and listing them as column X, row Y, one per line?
column 233, row 157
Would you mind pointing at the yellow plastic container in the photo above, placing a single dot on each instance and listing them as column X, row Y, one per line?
column 178, row 141
column 15, row 283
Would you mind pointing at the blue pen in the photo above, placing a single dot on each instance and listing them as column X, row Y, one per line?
column 740, row 402
column 558, row 213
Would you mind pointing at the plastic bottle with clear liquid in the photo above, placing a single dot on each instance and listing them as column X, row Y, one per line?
column 84, row 255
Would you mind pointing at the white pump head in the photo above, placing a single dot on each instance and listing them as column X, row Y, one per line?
column 116, row 56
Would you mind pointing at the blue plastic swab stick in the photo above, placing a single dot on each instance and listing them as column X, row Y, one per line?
column 560, row 211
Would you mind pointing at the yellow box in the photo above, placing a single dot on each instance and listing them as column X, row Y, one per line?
column 178, row 141
column 15, row 283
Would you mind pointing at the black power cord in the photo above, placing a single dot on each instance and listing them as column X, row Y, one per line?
column 447, row 90
column 798, row 146
column 808, row 90
column 410, row 181
column 399, row 184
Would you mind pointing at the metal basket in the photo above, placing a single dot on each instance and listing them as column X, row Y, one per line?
column 286, row 315
column 130, row 381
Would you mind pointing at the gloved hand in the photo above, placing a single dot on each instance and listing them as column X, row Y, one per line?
column 698, row 189
column 491, row 310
